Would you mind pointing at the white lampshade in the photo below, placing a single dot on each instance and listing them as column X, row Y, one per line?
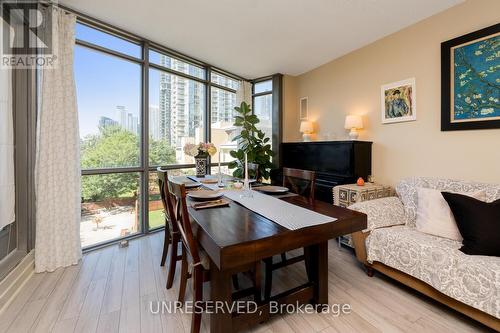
column 353, row 121
column 306, row 127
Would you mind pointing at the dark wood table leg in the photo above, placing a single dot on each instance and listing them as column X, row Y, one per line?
column 316, row 257
column 221, row 291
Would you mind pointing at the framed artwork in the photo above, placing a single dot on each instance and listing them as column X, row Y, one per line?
column 470, row 81
column 398, row 101
column 303, row 108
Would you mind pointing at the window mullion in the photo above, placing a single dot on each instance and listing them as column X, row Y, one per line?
column 145, row 139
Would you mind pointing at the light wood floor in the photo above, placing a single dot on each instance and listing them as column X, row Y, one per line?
column 111, row 289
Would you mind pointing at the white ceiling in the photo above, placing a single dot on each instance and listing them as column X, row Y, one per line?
column 255, row 38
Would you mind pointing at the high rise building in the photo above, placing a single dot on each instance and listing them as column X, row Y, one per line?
column 127, row 120
column 181, row 103
column 154, row 122
column 107, row 122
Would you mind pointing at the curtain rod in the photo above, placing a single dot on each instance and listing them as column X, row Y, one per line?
column 129, row 35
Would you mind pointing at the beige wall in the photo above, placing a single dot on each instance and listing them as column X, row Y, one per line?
column 351, row 85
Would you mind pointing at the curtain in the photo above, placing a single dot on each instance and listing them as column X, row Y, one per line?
column 244, row 93
column 57, row 168
column 7, row 176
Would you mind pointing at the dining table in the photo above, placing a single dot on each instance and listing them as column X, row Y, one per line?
column 237, row 239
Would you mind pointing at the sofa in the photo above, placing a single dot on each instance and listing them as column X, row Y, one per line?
column 433, row 265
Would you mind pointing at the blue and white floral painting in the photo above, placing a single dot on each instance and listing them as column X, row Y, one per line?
column 476, row 80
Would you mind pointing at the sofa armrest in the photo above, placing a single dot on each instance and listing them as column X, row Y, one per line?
column 383, row 212
column 359, row 240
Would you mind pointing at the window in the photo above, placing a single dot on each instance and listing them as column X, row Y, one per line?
column 176, row 117
column 169, row 62
column 109, row 107
column 263, row 106
column 90, row 35
column 118, row 175
column 225, row 81
column 263, row 87
column 109, row 104
column 110, row 207
column 222, row 119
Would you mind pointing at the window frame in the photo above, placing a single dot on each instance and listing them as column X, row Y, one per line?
column 144, row 168
column 277, row 112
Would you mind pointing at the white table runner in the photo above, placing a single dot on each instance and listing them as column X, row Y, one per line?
column 288, row 215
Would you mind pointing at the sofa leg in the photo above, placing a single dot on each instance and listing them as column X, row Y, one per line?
column 369, row 271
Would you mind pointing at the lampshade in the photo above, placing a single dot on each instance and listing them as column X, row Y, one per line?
column 353, row 121
column 306, row 127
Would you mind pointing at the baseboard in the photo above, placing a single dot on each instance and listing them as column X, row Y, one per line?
column 15, row 280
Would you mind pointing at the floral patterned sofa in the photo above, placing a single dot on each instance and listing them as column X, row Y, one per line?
column 432, row 265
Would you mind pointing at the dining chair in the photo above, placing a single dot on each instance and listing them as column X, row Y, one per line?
column 172, row 236
column 200, row 262
column 302, row 182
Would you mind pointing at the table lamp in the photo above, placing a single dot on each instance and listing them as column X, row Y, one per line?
column 306, row 128
column 353, row 123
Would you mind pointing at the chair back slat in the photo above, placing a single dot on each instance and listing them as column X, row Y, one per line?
column 166, row 198
column 178, row 191
column 307, row 177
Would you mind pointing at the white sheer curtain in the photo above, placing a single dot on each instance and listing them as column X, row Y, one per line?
column 7, row 181
column 244, row 93
column 58, row 156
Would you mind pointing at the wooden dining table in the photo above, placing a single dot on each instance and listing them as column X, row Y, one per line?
column 236, row 239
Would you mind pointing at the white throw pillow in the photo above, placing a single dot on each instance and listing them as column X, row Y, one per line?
column 434, row 215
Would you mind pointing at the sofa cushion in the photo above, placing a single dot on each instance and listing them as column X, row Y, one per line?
column 407, row 191
column 473, row 280
column 479, row 223
column 382, row 212
column 434, row 215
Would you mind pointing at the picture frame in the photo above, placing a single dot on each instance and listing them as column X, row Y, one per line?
column 469, row 86
column 303, row 108
column 398, row 101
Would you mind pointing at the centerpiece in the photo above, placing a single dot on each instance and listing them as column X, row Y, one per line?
column 200, row 152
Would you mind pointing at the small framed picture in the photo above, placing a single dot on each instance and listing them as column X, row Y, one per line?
column 398, row 101
column 303, row 108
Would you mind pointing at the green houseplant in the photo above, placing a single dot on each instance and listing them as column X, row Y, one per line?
column 252, row 141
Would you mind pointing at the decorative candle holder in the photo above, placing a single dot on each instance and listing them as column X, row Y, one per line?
column 247, row 190
column 220, row 183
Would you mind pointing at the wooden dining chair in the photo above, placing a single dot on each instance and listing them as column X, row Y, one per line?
column 172, row 236
column 302, row 182
column 200, row 262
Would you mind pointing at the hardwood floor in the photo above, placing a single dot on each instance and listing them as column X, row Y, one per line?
column 111, row 289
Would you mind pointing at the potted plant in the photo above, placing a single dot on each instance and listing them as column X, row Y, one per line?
column 200, row 152
column 254, row 143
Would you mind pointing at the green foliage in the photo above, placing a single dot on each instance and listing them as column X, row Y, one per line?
column 114, row 146
column 252, row 141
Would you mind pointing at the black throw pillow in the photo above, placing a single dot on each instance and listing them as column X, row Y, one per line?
column 478, row 222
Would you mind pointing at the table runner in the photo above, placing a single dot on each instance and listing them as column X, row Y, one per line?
column 288, row 215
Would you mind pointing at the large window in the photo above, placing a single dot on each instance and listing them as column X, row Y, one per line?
column 109, row 104
column 176, row 117
column 263, row 106
column 223, row 101
column 126, row 134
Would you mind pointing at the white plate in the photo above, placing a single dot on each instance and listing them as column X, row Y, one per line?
column 205, row 195
column 272, row 189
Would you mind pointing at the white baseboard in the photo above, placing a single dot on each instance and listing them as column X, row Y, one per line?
column 15, row 280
